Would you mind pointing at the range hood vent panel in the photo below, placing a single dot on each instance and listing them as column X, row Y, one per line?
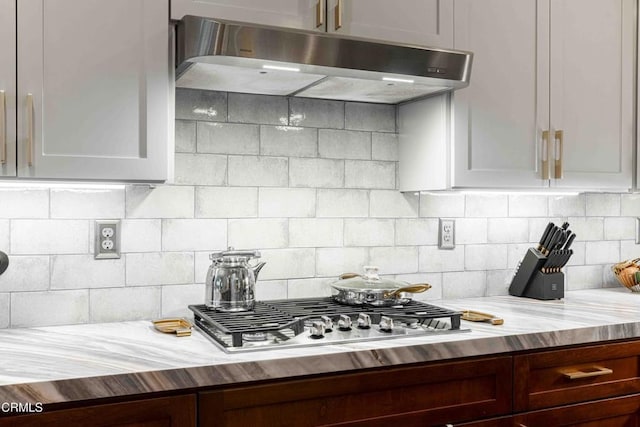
column 231, row 56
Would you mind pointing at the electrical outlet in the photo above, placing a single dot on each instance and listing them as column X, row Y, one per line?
column 446, row 234
column 107, row 239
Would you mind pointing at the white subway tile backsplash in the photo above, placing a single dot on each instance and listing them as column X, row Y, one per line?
column 141, row 235
column 30, row 309
column 287, row 202
column 619, row 228
column 343, row 203
column 442, row 205
column 433, row 279
column 176, row 299
column 202, row 263
column 185, row 138
column 470, row 231
column 327, row 173
column 288, row 263
column 5, row 310
column 433, row 260
column 56, row 236
column 316, row 232
column 385, row 146
column 26, row 273
column 494, row 205
column 395, row 259
column 309, row 288
column 24, row 203
column 77, row 203
column 485, row 257
column 417, row 232
column 587, row 228
column 393, row 204
column 163, row 268
column 193, row 234
column 317, row 113
column 262, row 109
column 498, row 282
column 630, row 205
column 82, row 271
column 159, row 202
column 567, row 205
column 344, row 144
column 228, row 138
column 201, row 105
column 255, row 171
column 258, row 233
column 271, row 289
column 202, row 169
column 603, row 204
column 528, row 205
column 5, row 232
column 226, row 202
column 508, row 230
column 629, row 250
column 369, row 174
column 371, row 117
column 114, row 305
column 602, row 252
column 332, row 262
column 583, row 277
column 288, row 141
column 369, row 232
column 464, row 284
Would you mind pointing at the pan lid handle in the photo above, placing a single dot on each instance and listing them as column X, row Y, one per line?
column 371, row 272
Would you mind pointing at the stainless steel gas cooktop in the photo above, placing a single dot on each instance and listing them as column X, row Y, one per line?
column 320, row 321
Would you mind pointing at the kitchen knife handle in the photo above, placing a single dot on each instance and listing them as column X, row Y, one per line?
column 337, row 18
column 3, row 129
column 558, row 154
column 30, row 129
column 595, row 371
column 545, row 154
column 569, row 241
column 320, row 7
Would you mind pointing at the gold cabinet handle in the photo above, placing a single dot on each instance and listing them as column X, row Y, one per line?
column 545, row 154
column 558, row 153
column 3, row 129
column 595, row 371
column 320, row 7
column 338, row 15
column 29, row 147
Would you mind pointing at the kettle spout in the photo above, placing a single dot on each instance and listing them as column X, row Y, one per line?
column 257, row 269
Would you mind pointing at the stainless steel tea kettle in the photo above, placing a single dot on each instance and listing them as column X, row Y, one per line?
column 230, row 284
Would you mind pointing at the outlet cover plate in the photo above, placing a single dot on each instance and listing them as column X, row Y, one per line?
column 446, row 233
column 107, row 239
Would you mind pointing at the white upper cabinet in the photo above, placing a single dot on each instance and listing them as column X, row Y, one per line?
column 94, row 89
column 551, row 96
column 418, row 22
column 302, row 14
column 7, row 88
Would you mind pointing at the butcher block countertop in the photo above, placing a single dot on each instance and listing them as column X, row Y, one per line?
column 62, row 364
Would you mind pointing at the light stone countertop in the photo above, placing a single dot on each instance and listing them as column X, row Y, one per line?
column 79, row 362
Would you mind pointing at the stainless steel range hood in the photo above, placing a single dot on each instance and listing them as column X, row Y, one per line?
column 248, row 58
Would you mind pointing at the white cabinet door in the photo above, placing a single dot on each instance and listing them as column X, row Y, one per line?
column 592, row 83
column 419, row 22
column 500, row 117
column 7, row 87
column 93, row 89
column 303, row 14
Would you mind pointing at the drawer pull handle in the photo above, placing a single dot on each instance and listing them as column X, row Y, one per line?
column 596, row 371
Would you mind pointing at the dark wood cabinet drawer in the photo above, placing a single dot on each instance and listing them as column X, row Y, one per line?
column 433, row 394
column 561, row 377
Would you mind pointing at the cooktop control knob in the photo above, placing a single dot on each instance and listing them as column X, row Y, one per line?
column 364, row 321
column 386, row 324
column 328, row 323
column 317, row 329
column 344, row 324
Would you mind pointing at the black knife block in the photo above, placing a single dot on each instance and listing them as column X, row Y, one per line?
column 530, row 282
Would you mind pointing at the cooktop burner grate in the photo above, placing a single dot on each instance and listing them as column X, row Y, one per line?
column 281, row 322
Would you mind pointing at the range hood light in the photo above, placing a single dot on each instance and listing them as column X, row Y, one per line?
column 279, row 68
column 393, row 79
